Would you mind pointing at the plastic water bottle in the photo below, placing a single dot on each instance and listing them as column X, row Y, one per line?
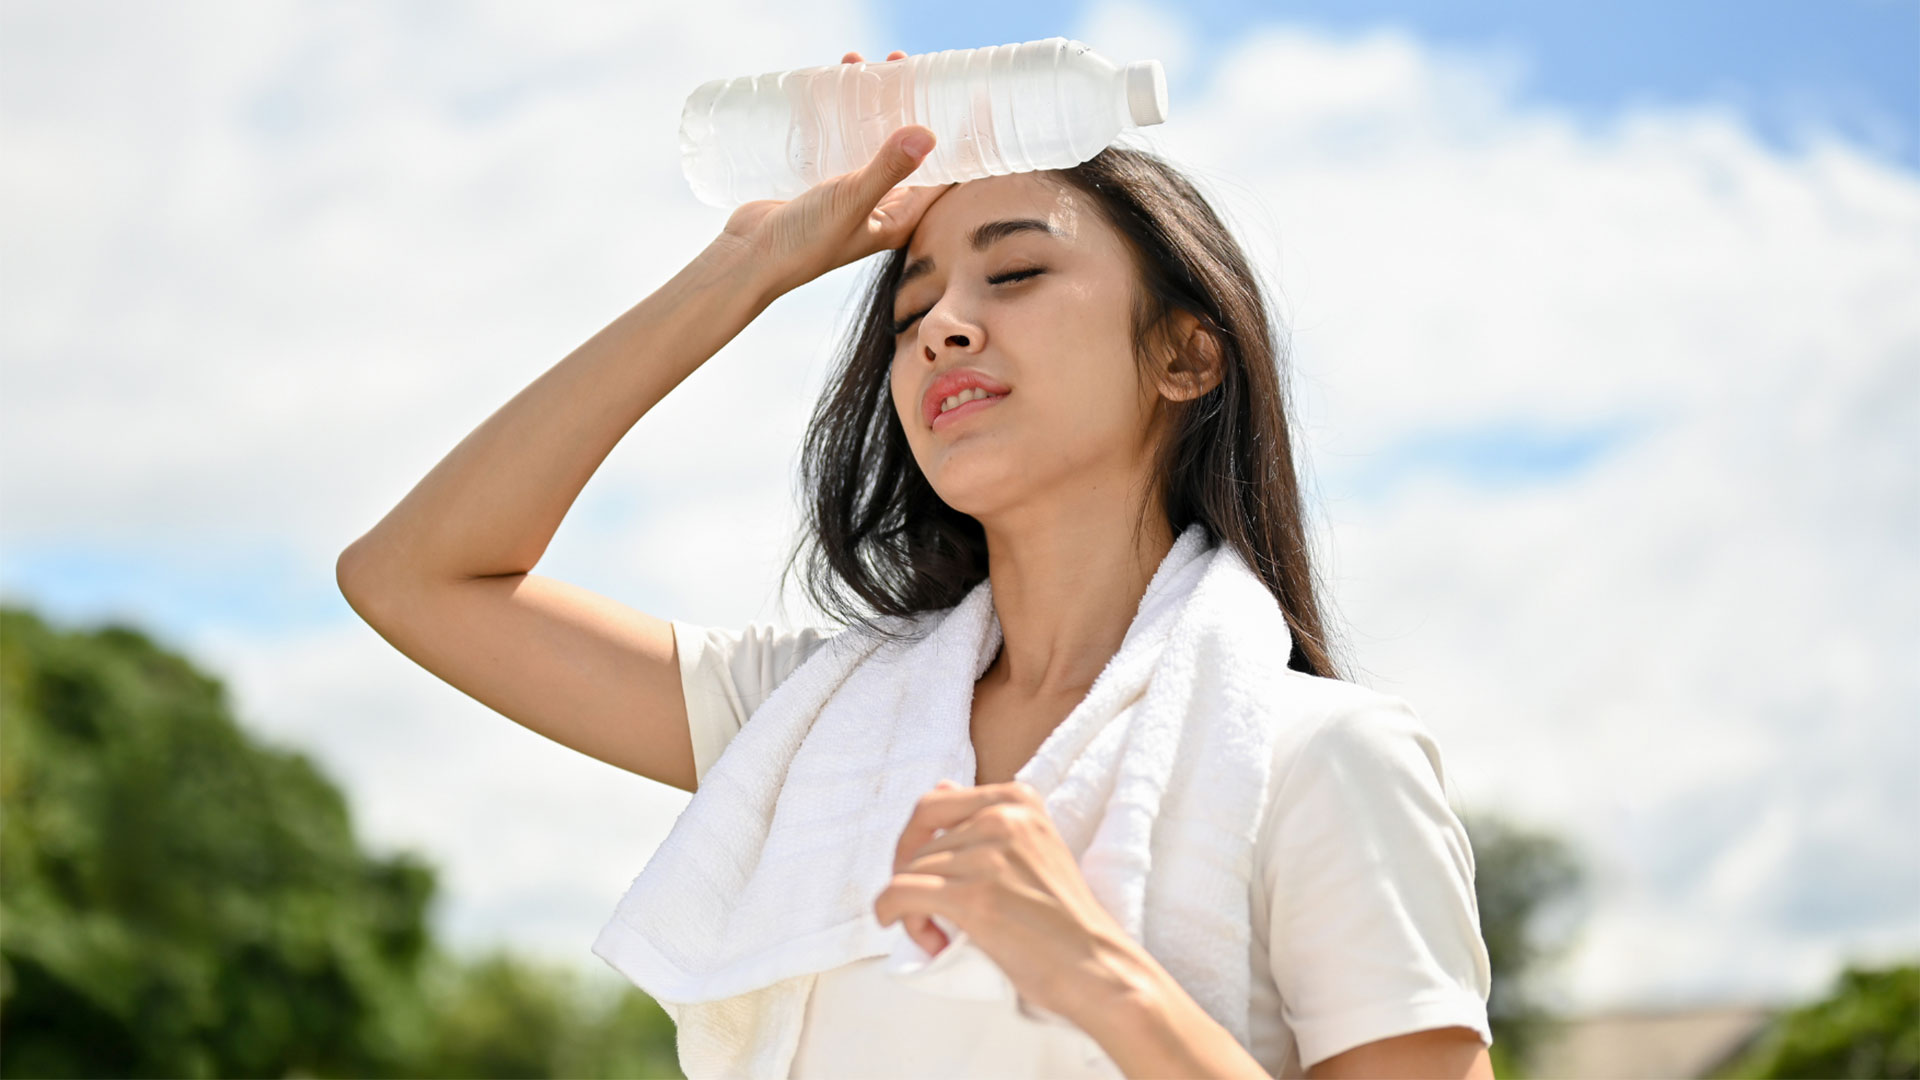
column 1048, row 104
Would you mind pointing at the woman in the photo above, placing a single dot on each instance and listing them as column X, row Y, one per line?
column 1056, row 374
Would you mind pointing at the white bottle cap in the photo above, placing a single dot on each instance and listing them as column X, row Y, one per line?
column 1147, row 92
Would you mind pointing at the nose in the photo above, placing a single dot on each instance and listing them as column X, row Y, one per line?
column 954, row 341
column 960, row 334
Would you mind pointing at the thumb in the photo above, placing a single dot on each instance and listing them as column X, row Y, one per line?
column 902, row 153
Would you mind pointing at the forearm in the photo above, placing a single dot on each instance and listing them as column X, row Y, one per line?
column 493, row 504
column 1151, row 1027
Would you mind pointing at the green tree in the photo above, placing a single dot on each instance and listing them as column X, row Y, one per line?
column 1526, row 883
column 177, row 900
column 500, row 1015
column 1869, row 1026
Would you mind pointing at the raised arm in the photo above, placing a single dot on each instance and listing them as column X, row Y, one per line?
column 446, row 576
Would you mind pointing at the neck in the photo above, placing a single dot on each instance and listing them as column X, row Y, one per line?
column 1065, row 596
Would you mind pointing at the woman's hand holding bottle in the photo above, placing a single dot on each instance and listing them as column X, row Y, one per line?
column 841, row 219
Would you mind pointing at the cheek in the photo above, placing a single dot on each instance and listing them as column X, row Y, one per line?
column 1087, row 383
column 1090, row 368
column 900, row 390
column 903, row 390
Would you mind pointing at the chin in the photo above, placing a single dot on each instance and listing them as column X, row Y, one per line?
column 976, row 491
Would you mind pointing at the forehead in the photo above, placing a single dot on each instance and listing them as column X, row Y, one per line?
column 974, row 215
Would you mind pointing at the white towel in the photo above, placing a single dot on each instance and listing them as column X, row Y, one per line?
column 769, row 875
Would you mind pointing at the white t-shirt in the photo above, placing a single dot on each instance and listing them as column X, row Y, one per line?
column 1369, row 925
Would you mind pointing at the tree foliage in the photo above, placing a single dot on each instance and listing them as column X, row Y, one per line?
column 1522, row 879
column 178, row 900
column 1869, row 1026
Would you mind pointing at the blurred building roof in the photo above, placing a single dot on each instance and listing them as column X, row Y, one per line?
column 1648, row 1044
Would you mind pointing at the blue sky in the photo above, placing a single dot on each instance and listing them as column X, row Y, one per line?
column 1851, row 65
column 250, row 587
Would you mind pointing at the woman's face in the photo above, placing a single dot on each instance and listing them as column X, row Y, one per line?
column 1073, row 423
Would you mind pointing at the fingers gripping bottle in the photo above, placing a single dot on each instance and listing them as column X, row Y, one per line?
column 1046, row 104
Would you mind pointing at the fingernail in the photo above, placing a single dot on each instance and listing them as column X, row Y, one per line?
column 917, row 143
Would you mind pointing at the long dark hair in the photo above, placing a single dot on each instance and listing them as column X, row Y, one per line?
column 881, row 546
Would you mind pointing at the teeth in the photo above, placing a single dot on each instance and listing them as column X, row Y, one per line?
column 970, row 394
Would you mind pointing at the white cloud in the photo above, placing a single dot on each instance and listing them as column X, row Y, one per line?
column 270, row 263
column 247, row 268
column 1126, row 31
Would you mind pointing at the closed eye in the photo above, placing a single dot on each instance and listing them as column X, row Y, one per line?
column 900, row 327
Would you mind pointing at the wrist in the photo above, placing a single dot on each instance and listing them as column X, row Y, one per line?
column 735, row 257
column 1127, row 1015
column 1149, row 1025
column 1115, row 983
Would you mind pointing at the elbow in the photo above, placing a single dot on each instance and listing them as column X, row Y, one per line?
column 378, row 581
column 353, row 573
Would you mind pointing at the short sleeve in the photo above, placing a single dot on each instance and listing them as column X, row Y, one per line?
column 1374, row 927
column 726, row 674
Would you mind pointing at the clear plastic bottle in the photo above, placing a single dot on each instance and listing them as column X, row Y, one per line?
column 1046, row 104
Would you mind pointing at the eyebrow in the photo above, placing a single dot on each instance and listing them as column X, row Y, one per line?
column 979, row 239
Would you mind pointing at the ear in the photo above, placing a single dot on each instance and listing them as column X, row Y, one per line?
column 1197, row 363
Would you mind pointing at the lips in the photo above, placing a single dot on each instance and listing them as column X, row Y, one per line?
column 952, row 382
column 962, row 411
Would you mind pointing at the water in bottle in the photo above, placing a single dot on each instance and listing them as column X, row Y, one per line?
column 1048, row 104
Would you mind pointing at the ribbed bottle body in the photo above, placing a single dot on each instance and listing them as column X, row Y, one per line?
column 1006, row 108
